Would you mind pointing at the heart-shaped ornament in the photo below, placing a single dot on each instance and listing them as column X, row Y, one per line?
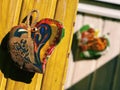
column 30, row 47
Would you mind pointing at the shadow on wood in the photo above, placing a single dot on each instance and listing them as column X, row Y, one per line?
column 8, row 67
column 104, row 78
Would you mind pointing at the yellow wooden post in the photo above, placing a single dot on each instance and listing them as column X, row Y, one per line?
column 9, row 13
column 46, row 9
column 9, row 16
column 56, row 67
column 13, row 11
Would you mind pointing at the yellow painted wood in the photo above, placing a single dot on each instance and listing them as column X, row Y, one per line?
column 35, row 84
column 57, row 64
column 47, row 10
column 18, row 85
column 2, row 81
column 9, row 13
column 12, row 13
column 11, row 87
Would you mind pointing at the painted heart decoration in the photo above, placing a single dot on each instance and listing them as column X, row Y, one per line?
column 91, row 44
column 31, row 53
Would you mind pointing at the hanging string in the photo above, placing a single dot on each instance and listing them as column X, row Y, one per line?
column 30, row 27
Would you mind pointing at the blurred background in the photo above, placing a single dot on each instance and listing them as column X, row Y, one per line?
column 102, row 73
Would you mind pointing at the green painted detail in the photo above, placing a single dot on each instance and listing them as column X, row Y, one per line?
column 93, row 55
column 82, row 55
column 84, row 28
column 63, row 33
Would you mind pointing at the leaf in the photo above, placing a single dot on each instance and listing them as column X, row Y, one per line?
column 84, row 28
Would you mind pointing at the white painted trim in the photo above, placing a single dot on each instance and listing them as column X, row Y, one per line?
column 111, row 1
column 102, row 11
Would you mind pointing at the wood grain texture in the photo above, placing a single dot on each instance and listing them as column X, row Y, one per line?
column 36, row 83
column 103, row 73
column 56, row 67
column 47, row 10
column 9, row 13
column 12, row 13
column 116, row 79
column 107, row 74
column 71, row 64
column 83, row 68
column 103, row 78
column 2, row 81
